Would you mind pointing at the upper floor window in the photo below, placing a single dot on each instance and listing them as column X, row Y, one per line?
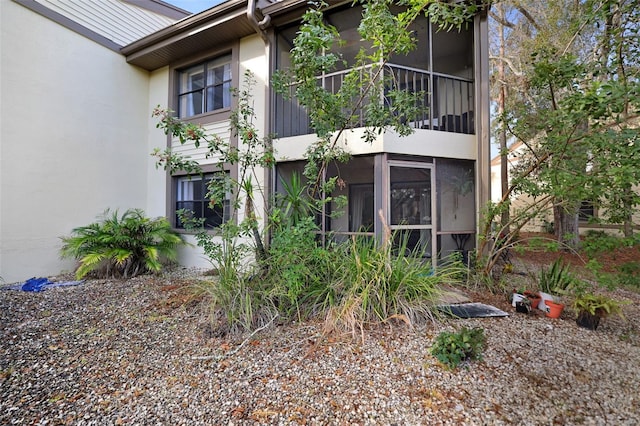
column 205, row 87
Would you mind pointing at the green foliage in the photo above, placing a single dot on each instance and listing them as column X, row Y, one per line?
column 377, row 283
column 597, row 304
column 544, row 244
column 572, row 97
column 122, row 245
column 596, row 243
column 293, row 204
column 453, row 348
column 383, row 34
column 629, row 274
column 298, row 269
column 254, row 152
column 235, row 295
column 558, row 279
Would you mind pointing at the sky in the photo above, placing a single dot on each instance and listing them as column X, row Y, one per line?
column 194, row 6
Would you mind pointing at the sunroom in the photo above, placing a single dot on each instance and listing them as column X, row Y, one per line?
column 423, row 186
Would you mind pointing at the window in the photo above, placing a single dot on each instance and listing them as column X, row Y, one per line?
column 191, row 194
column 587, row 211
column 205, row 87
column 361, row 207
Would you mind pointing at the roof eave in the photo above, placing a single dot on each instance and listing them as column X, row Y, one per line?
column 221, row 24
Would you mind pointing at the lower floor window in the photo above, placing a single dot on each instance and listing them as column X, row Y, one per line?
column 191, row 195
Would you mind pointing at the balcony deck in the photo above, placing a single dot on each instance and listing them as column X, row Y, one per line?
column 446, row 101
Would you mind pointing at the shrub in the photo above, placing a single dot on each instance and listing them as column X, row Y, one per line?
column 599, row 242
column 237, row 295
column 597, row 304
column 629, row 274
column 453, row 348
column 298, row 269
column 377, row 283
column 122, row 246
column 558, row 279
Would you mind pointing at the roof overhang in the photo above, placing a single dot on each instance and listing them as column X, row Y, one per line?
column 219, row 25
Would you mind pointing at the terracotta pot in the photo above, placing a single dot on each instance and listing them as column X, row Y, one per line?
column 534, row 298
column 553, row 309
column 543, row 298
column 588, row 321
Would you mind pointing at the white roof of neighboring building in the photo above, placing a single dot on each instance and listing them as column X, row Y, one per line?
column 120, row 21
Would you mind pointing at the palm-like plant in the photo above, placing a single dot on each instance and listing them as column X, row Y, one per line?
column 122, row 245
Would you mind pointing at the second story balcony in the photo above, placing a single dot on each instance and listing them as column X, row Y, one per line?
column 445, row 102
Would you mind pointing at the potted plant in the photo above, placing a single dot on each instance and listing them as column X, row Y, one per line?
column 523, row 305
column 592, row 307
column 554, row 281
column 534, row 298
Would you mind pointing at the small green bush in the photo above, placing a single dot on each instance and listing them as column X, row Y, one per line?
column 298, row 269
column 453, row 348
column 557, row 279
column 599, row 242
column 377, row 282
column 629, row 275
column 122, row 246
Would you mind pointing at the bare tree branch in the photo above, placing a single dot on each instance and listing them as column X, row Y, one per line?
column 527, row 15
column 509, row 63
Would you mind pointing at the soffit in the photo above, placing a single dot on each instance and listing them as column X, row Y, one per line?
column 287, row 11
column 217, row 26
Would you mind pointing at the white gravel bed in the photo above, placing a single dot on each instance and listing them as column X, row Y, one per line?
column 126, row 352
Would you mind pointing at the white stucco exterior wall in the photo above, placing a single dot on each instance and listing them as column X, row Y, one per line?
column 156, row 177
column 72, row 141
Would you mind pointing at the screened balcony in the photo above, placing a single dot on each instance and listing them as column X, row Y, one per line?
column 446, row 102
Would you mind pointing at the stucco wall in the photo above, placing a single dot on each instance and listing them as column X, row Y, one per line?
column 72, row 138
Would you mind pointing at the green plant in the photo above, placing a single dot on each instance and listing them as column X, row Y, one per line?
column 122, row 245
column 293, row 203
column 377, row 282
column 236, row 295
column 557, row 279
column 452, row 348
column 298, row 269
column 629, row 274
column 597, row 304
column 598, row 242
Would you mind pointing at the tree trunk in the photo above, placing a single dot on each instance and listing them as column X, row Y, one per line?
column 565, row 223
column 628, row 223
column 261, row 253
column 504, row 173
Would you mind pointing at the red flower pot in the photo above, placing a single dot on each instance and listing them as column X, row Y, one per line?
column 554, row 309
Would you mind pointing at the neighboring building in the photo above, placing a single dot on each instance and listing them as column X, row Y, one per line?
column 590, row 217
column 431, row 185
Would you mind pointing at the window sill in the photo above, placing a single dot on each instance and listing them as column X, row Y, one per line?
column 209, row 117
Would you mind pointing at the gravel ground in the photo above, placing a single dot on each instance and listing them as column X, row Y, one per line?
column 133, row 352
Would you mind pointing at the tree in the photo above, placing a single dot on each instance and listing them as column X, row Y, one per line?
column 572, row 75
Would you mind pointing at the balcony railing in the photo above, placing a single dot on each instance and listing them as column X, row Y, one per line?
column 446, row 102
